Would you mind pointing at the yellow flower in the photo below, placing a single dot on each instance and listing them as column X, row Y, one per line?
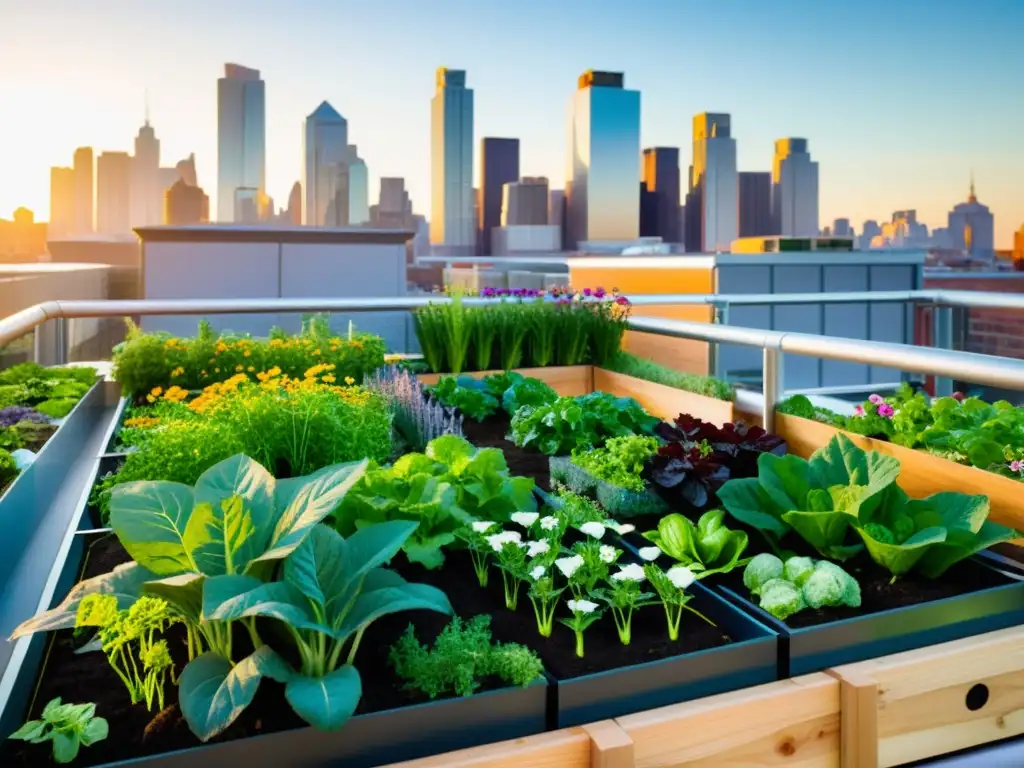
column 349, row 380
column 156, row 391
column 239, row 367
column 328, row 378
column 247, row 353
column 251, row 368
column 141, row 422
column 202, row 372
column 216, row 370
column 177, row 372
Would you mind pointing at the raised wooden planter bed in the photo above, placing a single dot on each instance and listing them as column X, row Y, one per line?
column 663, row 401
column 932, row 701
column 921, row 474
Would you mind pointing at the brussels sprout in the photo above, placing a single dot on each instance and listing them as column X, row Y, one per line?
column 759, row 570
column 798, row 569
column 781, row 598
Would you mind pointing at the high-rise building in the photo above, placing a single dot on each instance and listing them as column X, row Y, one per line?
column 325, row 174
column 794, row 190
column 556, row 207
column 358, row 188
column 971, row 228
column 241, row 137
column 185, row 204
column 62, row 202
column 755, row 203
column 712, row 203
column 842, row 228
column 525, row 202
column 452, row 224
column 84, row 193
column 247, row 206
column 499, row 164
column 113, row 193
column 295, row 205
column 1018, row 244
column 147, row 183
column 187, row 170
column 604, row 156
column 393, row 209
column 661, row 190
column 869, row 230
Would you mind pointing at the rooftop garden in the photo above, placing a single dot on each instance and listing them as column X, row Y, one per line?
column 304, row 543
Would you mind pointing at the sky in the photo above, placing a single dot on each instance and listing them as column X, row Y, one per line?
column 900, row 99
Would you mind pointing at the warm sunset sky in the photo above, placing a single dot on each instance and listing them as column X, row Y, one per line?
column 899, row 99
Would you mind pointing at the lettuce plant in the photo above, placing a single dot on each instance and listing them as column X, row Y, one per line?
column 620, row 462
column 786, row 588
column 587, row 421
column 465, row 394
column 527, row 391
column 68, row 726
column 707, row 548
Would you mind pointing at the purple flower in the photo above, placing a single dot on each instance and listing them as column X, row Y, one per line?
column 886, row 410
column 876, row 399
column 1017, row 466
column 858, row 410
column 13, row 414
column 587, row 292
column 600, row 292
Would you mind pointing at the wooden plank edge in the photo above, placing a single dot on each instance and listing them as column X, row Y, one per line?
column 610, row 746
column 858, row 718
column 568, row 748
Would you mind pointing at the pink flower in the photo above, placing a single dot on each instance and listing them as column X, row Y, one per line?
column 876, row 399
column 886, row 410
column 1016, row 466
column 858, row 410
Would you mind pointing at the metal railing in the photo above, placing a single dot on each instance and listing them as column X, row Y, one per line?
column 981, row 369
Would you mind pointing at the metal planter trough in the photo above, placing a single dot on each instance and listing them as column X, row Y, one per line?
column 750, row 660
column 815, row 648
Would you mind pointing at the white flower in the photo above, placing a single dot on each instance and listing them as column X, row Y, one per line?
column 537, row 547
column 650, row 554
column 569, row 565
column 525, row 519
column 593, row 529
column 537, row 572
column 681, row 576
column 549, row 523
column 499, row 540
column 482, row 526
column 631, row 572
column 582, row 606
column 608, row 553
column 620, row 528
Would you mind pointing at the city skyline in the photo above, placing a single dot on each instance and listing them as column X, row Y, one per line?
column 878, row 152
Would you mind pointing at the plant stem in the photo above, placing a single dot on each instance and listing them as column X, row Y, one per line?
column 480, row 566
column 673, row 621
column 579, row 644
column 511, row 592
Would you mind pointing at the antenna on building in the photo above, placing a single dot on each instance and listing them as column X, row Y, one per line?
column 146, row 97
column 972, row 198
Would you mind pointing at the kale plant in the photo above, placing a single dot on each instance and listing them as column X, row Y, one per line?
column 462, row 658
column 68, row 726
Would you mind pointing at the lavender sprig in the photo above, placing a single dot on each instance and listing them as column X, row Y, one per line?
column 419, row 418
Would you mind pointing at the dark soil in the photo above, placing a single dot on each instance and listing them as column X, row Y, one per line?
column 491, row 434
column 878, row 595
column 135, row 732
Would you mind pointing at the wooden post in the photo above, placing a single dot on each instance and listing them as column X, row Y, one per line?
column 610, row 746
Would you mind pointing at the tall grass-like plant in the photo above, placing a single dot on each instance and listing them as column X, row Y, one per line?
column 417, row 418
column 458, row 331
column 430, row 330
column 540, row 317
column 607, row 326
column 484, row 325
column 512, row 332
column 573, row 324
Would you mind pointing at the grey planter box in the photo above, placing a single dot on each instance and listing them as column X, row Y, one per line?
column 812, row 649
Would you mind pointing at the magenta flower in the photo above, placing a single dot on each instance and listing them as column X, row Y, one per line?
column 587, row 292
column 876, row 399
column 1017, row 466
column 886, row 410
column 599, row 292
column 858, row 410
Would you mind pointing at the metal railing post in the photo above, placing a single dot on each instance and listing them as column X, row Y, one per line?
column 773, row 385
column 60, row 341
column 37, row 344
column 942, row 338
column 720, row 317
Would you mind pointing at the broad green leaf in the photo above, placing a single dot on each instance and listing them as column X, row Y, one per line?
column 675, row 537
column 451, row 450
column 125, row 583
column 326, row 702
column 247, row 478
column 372, row 604
column 950, row 510
column 149, row 519
column 65, row 746
column 213, row 693
column 786, row 480
column 840, row 462
column 898, row 559
column 961, row 544
column 825, row 531
column 428, row 551
column 302, row 502
column 95, row 730
column 183, row 592
column 221, row 537
column 225, row 598
column 747, row 501
column 30, row 731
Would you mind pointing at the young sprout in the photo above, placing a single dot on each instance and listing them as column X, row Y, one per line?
column 584, row 613
column 68, row 726
column 595, row 561
column 511, row 553
column 544, row 597
column 624, row 595
column 671, row 587
column 475, row 536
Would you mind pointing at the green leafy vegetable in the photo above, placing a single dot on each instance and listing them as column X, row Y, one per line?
column 466, row 394
column 527, row 391
column 620, row 462
column 787, row 588
column 68, row 726
column 706, row 548
column 587, row 421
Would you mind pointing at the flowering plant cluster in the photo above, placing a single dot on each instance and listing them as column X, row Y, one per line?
column 522, row 328
column 148, row 360
column 583, row 577
column 419, row 418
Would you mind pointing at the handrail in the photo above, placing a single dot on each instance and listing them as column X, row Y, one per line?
column 984, row 369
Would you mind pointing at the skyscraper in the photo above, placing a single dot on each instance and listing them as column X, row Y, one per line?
column 241, row 137
column 147, row 186
column 604, row 156
column 661, row 182
column 842, row 228
column 794, row 190
column 358, row 188
column 452, row 224
column 325, row 174
column 113, row 193
column 972, row 228
column 185, row 204
column 755, row 203
column 62, row 202
column 712, row 203
column 499, row 164
column 525, row 202
column 84, row 224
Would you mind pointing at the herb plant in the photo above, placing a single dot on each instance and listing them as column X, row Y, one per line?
column 648, row 370
column 620, row 462
column 418, row 418
column 707, row 548
column 571, row 423
column 463, row 656
column 68, row 726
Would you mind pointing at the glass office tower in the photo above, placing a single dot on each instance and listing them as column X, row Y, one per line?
column 241, row 137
